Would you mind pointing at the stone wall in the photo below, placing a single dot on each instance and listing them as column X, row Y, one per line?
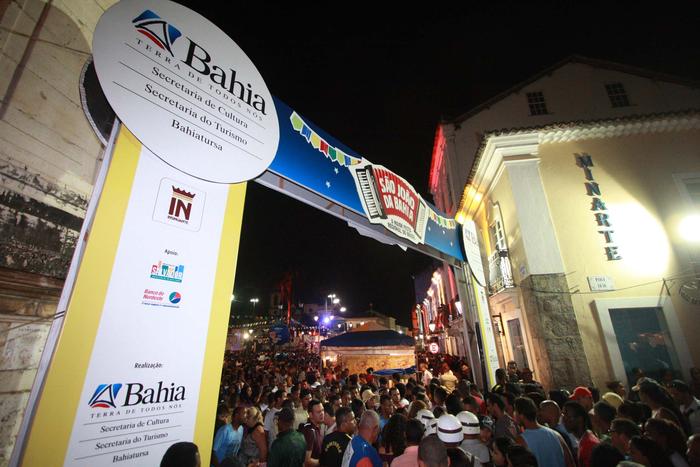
column 49, row 154
column 27, row 305
column 554, row 331
column 49, row 157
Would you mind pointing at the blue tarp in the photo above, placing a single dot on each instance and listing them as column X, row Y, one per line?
column 407, row 371
column 369, row 339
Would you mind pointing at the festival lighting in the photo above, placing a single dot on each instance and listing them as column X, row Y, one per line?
column 689, row 228
column 641, row 238
column 327, row 320
column 343, row 309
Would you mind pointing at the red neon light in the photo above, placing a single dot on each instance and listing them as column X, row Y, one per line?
column 436, row 161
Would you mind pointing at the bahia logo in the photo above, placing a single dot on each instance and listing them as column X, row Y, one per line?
column 175, row 297
column 136, row 394
column 163, row 35
column 157, row 30
column 104, row 396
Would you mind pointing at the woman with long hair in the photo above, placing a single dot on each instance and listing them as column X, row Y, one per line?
column 393, row 438
column 254, row 445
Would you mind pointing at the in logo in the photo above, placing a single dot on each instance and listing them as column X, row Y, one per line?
column 157, row 30
column 180, row 205
column 175, row 297
column 104, row 396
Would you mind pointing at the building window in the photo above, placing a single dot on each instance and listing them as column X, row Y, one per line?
column 617, row 94
column 535, row 100
column 497, row 237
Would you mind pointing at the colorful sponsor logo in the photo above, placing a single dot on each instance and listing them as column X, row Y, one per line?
column 167, row 272
column 104, row 396
column 179, row 205
column 160, row 298
column 157, row 30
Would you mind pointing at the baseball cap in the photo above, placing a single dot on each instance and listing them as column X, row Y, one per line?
column 642, row 381
column 613, row 399
column 580, row 392
column 367, row 394
column 487, row 422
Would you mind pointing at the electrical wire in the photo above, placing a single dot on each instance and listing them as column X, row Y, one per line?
column 578, row 292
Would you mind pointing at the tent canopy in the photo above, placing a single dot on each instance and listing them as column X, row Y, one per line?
column 369, row 339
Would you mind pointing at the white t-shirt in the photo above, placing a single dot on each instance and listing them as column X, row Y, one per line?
column 270, row 425
column 427, row 376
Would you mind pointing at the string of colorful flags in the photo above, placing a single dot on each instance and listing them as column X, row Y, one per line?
column 442, row 221
column 346, row 160
column 320, row 144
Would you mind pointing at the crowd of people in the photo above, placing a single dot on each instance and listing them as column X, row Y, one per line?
column 287, row 409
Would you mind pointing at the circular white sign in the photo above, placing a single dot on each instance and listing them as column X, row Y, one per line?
column 434, row 348
column 186, row 90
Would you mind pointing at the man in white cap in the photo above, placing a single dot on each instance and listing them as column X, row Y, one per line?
column 449, row 430
column 427, row 418
column 370, row 399
column 472, row 443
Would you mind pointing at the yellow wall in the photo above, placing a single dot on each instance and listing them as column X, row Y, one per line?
column 635, row 177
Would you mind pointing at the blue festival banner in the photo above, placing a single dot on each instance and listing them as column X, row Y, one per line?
column 312, row 158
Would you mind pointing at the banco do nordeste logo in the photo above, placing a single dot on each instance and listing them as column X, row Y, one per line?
column 163, row 35
column 175, row 297
column 106, row 395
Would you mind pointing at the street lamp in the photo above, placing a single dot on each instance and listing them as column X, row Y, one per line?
column 254, row 301
column 343, row 309
column 332, row 297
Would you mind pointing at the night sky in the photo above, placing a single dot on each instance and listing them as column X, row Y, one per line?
column 380, row 81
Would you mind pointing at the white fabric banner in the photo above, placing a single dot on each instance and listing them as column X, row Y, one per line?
column 142, row 386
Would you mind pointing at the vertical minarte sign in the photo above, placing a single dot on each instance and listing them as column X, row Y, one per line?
column 186, row 90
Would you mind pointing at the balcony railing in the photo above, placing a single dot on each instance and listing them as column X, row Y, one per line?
column 500, row 272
